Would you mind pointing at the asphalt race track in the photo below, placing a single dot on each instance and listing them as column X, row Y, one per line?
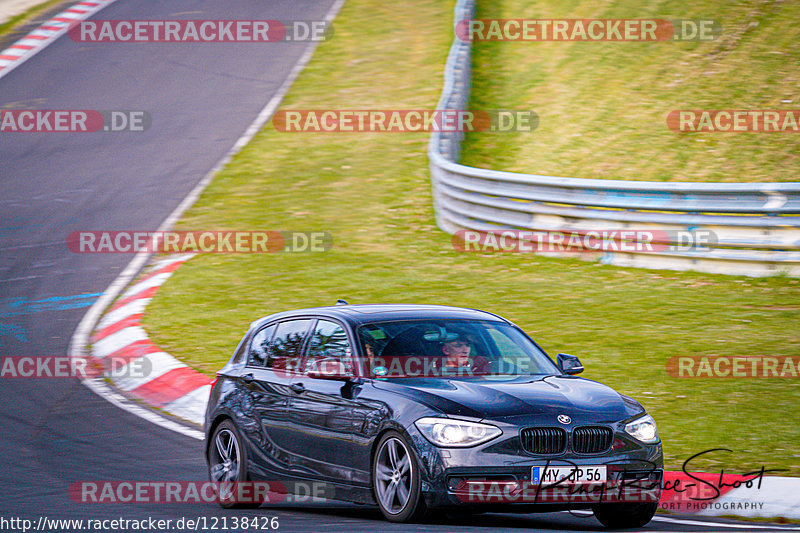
column 200, row 98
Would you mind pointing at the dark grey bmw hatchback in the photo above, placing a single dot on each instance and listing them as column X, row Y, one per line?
column 415, row 407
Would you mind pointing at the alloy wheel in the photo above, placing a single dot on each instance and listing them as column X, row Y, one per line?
column 393, row 472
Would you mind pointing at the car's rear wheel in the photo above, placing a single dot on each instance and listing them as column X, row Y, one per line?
column 227, row 465
column 396, row 479
column 625, row 515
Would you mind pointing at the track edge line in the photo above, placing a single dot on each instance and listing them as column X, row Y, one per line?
column 80, row 337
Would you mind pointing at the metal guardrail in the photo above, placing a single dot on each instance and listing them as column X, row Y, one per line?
column 756, row 224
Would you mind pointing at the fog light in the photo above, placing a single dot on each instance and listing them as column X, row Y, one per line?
column 454, row 483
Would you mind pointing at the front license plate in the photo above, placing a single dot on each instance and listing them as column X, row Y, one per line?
column 572, row 474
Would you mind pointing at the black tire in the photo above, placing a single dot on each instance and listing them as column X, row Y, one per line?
column 625, row 515
column 389, row 484
column 226, row 438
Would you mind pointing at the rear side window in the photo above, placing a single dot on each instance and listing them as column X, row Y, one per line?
column 285, row 348
column 329, row 341
column 259, row 348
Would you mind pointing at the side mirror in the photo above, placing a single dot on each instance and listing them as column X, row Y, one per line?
column 569, row 364
column 329, row 368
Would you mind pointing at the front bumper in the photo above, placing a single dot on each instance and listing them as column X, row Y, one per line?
column 498, row 474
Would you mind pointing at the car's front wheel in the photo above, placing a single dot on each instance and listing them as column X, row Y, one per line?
column 396, row 479
column 625, row 515
column 227, row 465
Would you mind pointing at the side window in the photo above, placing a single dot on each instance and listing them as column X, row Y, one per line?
column 328, row 341
column 284, row 353
column 510, row 351
column 514, row 357
column 259, row 348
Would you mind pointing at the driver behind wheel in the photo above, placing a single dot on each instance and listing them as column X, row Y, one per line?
column 458, row 361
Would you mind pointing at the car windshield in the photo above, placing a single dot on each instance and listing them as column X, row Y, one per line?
column 450, row 348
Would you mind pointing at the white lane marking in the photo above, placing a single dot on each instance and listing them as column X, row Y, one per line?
column 80, row 338
column 169, row 261
column 777, row 497
column 191, row 406
column 685, row 522
column 102, row 389
column 19, row 279
column 689, row 522
column 132, row 308
column 119, row 340
column 154, row 281
column 158, row 363
column 52, row 36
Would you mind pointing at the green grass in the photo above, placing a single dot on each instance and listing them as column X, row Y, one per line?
column 372, row 193
column 603, row 105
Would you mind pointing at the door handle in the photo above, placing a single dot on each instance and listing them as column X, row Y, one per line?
column 298, row 387
column 247, row 378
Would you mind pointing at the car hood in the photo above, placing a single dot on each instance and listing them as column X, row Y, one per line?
column 519, row 400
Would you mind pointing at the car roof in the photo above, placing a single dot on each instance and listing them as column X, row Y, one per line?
column 365, row 313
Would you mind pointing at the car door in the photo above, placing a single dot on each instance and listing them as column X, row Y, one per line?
column 321, row 410
column 275, row 352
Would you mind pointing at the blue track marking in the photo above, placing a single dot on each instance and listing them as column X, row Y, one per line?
column 21, row 306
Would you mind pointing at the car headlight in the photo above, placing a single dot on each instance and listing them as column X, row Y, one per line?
column 447, row 432
column 643, row 429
